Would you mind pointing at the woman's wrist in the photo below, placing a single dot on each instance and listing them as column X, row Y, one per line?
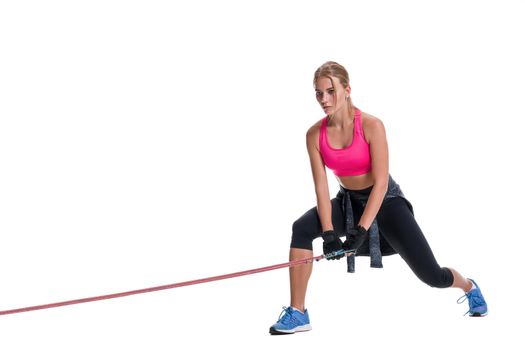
column 328, row 228
column 363, row 226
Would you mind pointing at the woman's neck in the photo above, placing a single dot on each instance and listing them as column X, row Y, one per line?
column 342, row 119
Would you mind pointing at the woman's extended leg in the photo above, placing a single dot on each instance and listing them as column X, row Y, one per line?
column 400, row 229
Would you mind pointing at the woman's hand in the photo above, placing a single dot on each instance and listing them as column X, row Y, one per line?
column 355, row 238
column 331, row 244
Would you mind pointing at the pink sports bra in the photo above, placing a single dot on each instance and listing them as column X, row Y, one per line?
column 349, row 161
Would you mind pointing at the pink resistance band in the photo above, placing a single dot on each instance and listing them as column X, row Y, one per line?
column 174, row 285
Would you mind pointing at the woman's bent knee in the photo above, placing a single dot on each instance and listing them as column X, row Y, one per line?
column 305, row 230
column 300, row 237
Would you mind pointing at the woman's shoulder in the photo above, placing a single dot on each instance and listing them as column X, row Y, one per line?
column 314, row 129
column 312, row 134
column 367, row 118
column 370, row 123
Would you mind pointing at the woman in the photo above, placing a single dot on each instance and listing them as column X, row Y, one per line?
column 353, row 145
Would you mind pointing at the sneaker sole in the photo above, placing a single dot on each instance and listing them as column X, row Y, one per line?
column 304, row 328
column 477, row 314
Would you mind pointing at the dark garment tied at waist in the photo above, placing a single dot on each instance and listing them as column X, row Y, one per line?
column 375, row 246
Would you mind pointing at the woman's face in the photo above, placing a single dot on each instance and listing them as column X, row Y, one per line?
column 329, row 97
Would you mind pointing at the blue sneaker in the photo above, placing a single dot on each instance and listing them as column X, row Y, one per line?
column 476, row 302
column 291, row 321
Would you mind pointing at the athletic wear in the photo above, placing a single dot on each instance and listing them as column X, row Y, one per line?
column 476, row 301
column 375, row 247
column 291, row 321
column 349, row 161
column 397, row 227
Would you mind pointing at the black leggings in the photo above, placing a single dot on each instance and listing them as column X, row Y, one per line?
column 396, row 224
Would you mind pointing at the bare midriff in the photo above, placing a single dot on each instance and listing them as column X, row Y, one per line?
column 358, row 182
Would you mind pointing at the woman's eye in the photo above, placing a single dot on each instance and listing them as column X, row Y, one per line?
column 319, row 94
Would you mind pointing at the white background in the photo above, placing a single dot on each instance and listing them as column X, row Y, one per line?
column 144, row 143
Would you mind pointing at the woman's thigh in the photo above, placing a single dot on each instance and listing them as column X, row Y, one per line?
column 400, row 229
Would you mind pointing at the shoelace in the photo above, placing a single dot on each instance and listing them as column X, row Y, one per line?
column 473, row 300
column 287, row 317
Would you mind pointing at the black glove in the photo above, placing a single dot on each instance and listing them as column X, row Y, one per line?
column 355, row 238
column 331, row 244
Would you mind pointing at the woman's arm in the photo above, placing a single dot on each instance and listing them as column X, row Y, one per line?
column 379, row 155
column 324, row 206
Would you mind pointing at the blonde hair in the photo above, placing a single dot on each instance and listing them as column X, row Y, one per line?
column 331, row 69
